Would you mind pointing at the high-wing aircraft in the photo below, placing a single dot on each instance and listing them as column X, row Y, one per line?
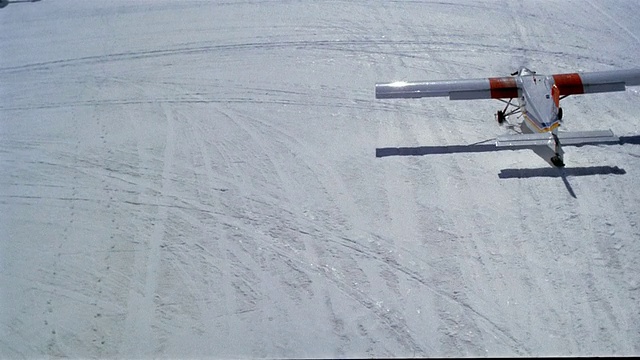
column 538, row 103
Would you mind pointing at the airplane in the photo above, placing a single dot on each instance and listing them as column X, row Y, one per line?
column 538, row 103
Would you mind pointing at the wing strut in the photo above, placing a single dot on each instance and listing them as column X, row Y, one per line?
column 502, row 115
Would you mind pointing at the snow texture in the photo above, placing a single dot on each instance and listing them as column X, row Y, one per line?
column 215, row 179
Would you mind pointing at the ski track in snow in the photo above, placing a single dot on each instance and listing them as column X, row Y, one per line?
column 198, row 179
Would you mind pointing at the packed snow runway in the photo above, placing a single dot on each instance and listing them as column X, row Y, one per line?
column 216, row 179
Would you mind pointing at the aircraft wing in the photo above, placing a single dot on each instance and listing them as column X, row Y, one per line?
column 596, row 82
column 488, row 88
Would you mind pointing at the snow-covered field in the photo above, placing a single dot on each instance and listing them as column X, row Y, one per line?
column 212, row 179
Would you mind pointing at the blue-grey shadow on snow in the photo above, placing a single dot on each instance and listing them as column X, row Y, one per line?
column 434, row 150
column 560, row 172
column 4, row 3
column 563, row 173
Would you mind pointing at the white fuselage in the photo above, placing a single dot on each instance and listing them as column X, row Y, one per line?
column 536, row 100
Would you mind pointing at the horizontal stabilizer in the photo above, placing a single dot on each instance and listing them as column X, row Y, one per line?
column 569, row 138
column 524, row 140
column 577, row 138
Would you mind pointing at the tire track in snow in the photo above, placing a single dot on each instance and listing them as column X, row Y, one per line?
column 214, row 254
column 246, row 282
column 142, row 306
column 346, row 264
column 614, row 20
column 349, row 46
column 315, row 253
column 241, row 289
column 605, row 265
column 159, row 230
column 234, row 280
column 157, row 197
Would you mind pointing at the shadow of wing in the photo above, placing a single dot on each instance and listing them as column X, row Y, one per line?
column 434, row 150
column 564, row 172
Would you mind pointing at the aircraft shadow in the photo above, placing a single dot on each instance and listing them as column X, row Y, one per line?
column 4, row 3
column 563, row 173
column 434, row 150
column 556, row 173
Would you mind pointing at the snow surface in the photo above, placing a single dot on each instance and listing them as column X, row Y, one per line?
column 200, row 179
